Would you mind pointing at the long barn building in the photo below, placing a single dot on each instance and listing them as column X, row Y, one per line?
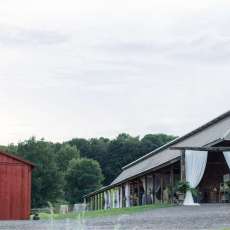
column 201, row 157
column 15, row 187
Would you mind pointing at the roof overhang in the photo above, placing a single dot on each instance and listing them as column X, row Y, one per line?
column 211, row 149
column 18, row 158
column 133, row 177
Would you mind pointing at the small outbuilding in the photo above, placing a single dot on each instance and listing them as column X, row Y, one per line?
column 15, row 187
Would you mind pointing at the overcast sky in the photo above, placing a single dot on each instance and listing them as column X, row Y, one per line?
column 80, row 68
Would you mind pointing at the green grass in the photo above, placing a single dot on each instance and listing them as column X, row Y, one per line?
column 104, row 213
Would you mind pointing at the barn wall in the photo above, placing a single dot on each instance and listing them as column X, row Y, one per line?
column 15, row 189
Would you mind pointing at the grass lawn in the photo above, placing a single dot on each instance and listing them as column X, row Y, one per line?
column 104, row 213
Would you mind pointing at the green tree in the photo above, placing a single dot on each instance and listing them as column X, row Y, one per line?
column 114, row 154
column 151, row 142
column 82, row 177
column 66, row 153
column 83, row 145
column 47, row 180
column 53, row 162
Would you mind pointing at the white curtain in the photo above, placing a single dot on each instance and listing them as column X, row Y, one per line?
column 109, row 199
column 195, row 163
column 227, row 157
column 105, row 200
column 112, row 198
column 117, row 198
column 144, row 197
column 121, row 198
column 143, row 182
column 127, row 195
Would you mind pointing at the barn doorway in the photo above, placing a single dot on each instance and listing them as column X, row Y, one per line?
column 211, row 188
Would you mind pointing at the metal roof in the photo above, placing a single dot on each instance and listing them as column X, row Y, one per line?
column 150, row 163
column 216, row 130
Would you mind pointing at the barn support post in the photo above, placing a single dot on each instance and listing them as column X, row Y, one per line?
column 102, row 200
column 161, row 178
column 92, row 200
column 171, row 181
column 99, row 195
column 182, row 165
column 96, row 202
column 153, row 189
column 145, row 184
column 138, row 192
column 91, row 203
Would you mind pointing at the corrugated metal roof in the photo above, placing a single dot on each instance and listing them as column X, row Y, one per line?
column 216, row 129
column 150, row 163
column 204, row 135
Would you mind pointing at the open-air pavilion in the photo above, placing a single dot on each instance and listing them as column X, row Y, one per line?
column 201, row 157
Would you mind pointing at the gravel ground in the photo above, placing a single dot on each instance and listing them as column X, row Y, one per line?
column 215, row 216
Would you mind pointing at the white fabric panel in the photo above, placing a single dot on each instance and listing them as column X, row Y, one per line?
column 117, row 198
column 109, row 199
column 127, row 195
column 120, row 197
column 105, row 200
column 227, row 157
column 195, row 163
column 112, row 198
column 149, row 184
column 143, row 183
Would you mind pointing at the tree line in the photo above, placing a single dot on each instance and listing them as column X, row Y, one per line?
column 66, row 171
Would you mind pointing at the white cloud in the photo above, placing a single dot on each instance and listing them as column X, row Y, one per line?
column 91, row 68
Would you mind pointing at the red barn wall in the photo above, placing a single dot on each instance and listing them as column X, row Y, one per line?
column 15, row 189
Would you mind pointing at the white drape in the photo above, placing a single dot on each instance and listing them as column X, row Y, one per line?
column 143, row 182
column 109, row 199
column 195, row 163
column 127, row 195
column 112, row 198
column 121, row 198
column 105, row 200
column 117, row 198
column 227, row 157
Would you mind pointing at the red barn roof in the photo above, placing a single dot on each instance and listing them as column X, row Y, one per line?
column 17, row 158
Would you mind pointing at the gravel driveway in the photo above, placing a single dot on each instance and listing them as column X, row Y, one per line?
column 210, row 216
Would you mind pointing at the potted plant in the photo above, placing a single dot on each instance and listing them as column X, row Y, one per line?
column 182, row 187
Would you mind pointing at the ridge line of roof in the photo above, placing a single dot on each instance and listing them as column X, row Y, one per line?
column 17, row 158
column 200, row 128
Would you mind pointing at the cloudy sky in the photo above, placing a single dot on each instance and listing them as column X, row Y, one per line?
column 90, row 68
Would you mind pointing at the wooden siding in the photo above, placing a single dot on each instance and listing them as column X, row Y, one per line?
column 15, row 189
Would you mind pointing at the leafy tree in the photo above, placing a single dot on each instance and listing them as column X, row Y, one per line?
column 47, row 180
column 83, row 176
column 54, row 161
column 82, row 145
column 66, row 153
column 121, row 151
column 153, row 141
column 114, row 154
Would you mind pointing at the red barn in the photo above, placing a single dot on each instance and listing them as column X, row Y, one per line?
column 15, row 187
